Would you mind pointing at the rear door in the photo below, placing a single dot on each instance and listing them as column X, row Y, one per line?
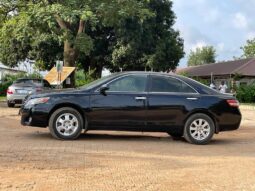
column 169, row 100
column 123, row 106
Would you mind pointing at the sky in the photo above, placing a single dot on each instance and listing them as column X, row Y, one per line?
column 224, row 24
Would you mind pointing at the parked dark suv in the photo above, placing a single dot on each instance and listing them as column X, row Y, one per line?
column 20, row 88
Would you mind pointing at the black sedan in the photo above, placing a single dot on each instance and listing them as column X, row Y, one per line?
column 135, row 101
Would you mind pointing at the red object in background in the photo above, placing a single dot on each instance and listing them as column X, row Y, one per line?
column 9, row 91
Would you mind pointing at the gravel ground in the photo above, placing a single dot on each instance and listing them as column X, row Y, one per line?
column 30, row 159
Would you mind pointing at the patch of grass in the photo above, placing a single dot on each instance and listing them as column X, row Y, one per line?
column 248, row 104
column 2, row 98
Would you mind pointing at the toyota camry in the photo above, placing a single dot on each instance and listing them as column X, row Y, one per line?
column 135, row 101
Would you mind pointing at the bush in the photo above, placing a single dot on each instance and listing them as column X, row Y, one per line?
column 82, row 78
column 246, row 93
column 3, row 87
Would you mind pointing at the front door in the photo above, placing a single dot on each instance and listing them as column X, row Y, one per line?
column 123, row 106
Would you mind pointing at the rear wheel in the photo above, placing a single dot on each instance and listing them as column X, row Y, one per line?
column 66, row 123
column 199, row 129
column 9, row 104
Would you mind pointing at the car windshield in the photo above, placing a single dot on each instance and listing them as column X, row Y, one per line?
column 97, row 82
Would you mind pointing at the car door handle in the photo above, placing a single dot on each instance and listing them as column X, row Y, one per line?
column 191, row 98
column 140, row 98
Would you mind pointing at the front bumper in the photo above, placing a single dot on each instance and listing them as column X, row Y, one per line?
column 34, row 116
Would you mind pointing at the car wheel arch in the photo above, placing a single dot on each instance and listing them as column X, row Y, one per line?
column 206, row 112
column 74, row 106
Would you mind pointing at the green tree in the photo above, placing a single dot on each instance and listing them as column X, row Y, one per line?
column 152, row 44
column 33, row 23
column 200, row 56
column 249, row 49
column 134, row 45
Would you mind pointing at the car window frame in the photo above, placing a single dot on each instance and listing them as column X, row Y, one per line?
column 173, row 77
column 122, row 76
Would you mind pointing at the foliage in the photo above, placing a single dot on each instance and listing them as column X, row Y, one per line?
column 3, row 87
column 200, row 56
column 48, row 25
column 249, row 49
column 132, row 35
column 152, row 44
column 237, row 76
column 82, row 78
column 246, row 93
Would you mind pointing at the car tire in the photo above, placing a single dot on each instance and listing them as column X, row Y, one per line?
column 66, row 123
column 175, row 135
column 199, row 129
column 9, row 104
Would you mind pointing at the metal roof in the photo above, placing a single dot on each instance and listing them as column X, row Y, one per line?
column 8, row 68
column 244, row 67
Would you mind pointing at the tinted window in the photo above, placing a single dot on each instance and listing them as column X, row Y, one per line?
column 29, row 81
column 169, row 84
column 132, row 83
column 199, row 86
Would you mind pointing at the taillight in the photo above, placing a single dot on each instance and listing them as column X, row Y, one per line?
column 9, row 91
column 233, row 103
column 38, row 89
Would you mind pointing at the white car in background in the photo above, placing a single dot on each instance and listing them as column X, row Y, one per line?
column 17, row 92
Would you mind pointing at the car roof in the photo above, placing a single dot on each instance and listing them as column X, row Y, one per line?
column 147, row 72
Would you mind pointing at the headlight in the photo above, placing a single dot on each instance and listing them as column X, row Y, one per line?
column 36, row 101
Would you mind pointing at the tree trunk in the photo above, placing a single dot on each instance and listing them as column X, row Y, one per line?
column 70, row 56
column 70, row 52
column 97, row 70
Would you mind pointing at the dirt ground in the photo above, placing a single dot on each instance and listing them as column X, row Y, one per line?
column 30, row 159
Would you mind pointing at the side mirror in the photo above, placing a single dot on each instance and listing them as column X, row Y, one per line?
column 103, row 89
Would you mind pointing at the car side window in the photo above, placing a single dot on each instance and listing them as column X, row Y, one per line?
column 169, row 84
column 131, row 83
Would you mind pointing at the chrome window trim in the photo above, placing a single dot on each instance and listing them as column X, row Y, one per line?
column 174, row 93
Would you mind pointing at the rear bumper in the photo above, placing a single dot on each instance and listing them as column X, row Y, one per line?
column 33, row 117
column 16, row 99
column 231, row 122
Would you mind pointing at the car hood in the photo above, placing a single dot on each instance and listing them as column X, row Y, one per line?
column 56, row 92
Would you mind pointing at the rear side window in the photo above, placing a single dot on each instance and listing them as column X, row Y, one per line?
column 169, row 84
column 29, row 81
column 131, row 83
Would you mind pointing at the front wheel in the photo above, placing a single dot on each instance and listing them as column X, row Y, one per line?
column 199, row 129
column 66, row 123
column 9, row 104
